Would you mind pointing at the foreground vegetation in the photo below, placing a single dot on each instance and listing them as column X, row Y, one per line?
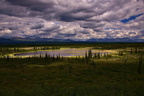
column 113, row 74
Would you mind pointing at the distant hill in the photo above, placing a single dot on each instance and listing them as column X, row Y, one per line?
column 115, row 40
column 18, row 40
column 3, row 40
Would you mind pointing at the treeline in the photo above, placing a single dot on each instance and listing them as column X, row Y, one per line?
column 82, row 44
column 97, row 55
column 132, row 51
column 47, row 58
column 46, row 48
column 136, row 50
column 4, row 51
column 90, row 58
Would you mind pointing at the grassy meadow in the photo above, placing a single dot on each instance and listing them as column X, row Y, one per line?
column 120, row 72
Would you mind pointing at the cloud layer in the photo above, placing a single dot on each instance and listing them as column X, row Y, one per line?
column 71, row 19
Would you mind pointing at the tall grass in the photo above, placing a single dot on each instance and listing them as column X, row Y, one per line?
column 119, row 74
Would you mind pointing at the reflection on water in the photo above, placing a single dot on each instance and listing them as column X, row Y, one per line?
column 65, row 53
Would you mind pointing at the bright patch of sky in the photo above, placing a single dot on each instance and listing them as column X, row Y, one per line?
column 131, row 18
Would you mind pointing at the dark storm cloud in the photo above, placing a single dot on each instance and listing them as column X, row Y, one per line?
column 93, row 24
column 16, row 10
column 13, row 28
column 10, row 10
column 39, row 26
column 67, row 35
column 75, row 10
column 32, row 4
column 9, row 27
column 76, row 16
column 72, row 19
column 50, row 29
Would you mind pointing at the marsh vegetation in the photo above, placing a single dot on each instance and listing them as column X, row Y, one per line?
column 115, row 69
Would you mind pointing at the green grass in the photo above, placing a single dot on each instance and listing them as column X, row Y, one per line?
column 72, row 76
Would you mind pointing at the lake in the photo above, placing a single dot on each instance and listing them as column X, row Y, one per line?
column 64, row 52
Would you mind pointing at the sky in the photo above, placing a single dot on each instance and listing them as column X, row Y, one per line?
column 72, row 19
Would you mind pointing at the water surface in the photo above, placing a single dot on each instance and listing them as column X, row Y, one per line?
column 64, row 52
